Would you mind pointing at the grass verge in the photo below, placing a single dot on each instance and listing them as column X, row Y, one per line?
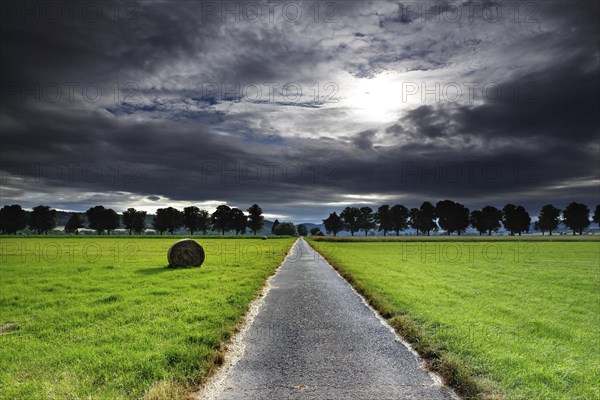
column 515, row 320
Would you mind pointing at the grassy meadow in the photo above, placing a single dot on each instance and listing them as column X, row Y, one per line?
column 498, row 318
column 102, row 318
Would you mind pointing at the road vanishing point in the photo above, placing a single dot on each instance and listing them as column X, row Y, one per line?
column 315, row 338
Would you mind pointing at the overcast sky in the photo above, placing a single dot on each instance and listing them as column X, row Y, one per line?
column 301, row 107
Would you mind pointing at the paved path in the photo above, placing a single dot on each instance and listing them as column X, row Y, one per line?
column 314, row 338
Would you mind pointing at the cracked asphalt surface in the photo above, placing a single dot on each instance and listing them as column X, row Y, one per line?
column 314, row 338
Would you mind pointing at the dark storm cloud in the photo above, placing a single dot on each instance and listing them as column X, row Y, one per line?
column 559, row 105
column 177, row 144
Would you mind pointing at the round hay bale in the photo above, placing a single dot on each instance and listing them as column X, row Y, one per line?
column 264, row 238
column 185, row 253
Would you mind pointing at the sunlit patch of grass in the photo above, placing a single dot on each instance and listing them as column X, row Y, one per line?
column 503, row 319
column 104, row 318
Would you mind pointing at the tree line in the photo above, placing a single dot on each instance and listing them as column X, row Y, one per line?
column 43, row 219
column 454, row 217
column 447, row 215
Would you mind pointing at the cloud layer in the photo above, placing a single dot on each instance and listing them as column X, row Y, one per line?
column 301, row 108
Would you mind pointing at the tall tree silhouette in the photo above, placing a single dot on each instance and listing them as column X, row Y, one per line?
column 275, row 223
column 203, row 221
column 96, row 217
column 366, row 219
column 351, row 217
column 515, row 219
column 134, row 220
column 12, row 219
column 577, row 217
column 493, row 217
column 333, row 224
column 191, row 218
column 596, row 217
column 221, row 219
column 452, row 216
column 427, row 215
column 486, row 220
column 477, row 221
column 414, row 219
column 399, row 215
column 42, row 219
column 167, row 219
column 74, row 223
column 239, row 221
column 255, row 218
column 383, row 218
column 302, row 230
column 548, row 219
column 111, row 220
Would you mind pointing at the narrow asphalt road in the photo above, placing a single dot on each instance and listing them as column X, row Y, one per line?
column 314, row 338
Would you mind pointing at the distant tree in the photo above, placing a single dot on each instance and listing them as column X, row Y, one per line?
column 333, row 224
column 12, row 219
column 577, row 217
column 302, row 230
column 74, row 223
column 134, row 221
column 486, row 220
column 167, row 220
column 384, row 219
column 492, row 216
column 255, row 218
column 414, row 220
column 366, row 219
column 128, row 219
column 221, row 219
column 477, row 221
column 548, row 219
column 423, row 219
column 596, row 217
column 111, row 220
column 351, row 217
column 515, row 219
column 427, row 215
column 191, row 218
column 285, row 229
column 275, row 223
column 399, row 217
column 139, row 223
column 96, row 218
column 203, row 221
column 42, row 219
column 452, row 216
column 315, row 231
column 239, row 221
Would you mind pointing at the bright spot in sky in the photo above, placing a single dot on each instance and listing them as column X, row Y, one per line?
column 376, row 99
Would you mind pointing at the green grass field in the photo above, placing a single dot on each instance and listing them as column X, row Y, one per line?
column 498, row 319
column 102, row 318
